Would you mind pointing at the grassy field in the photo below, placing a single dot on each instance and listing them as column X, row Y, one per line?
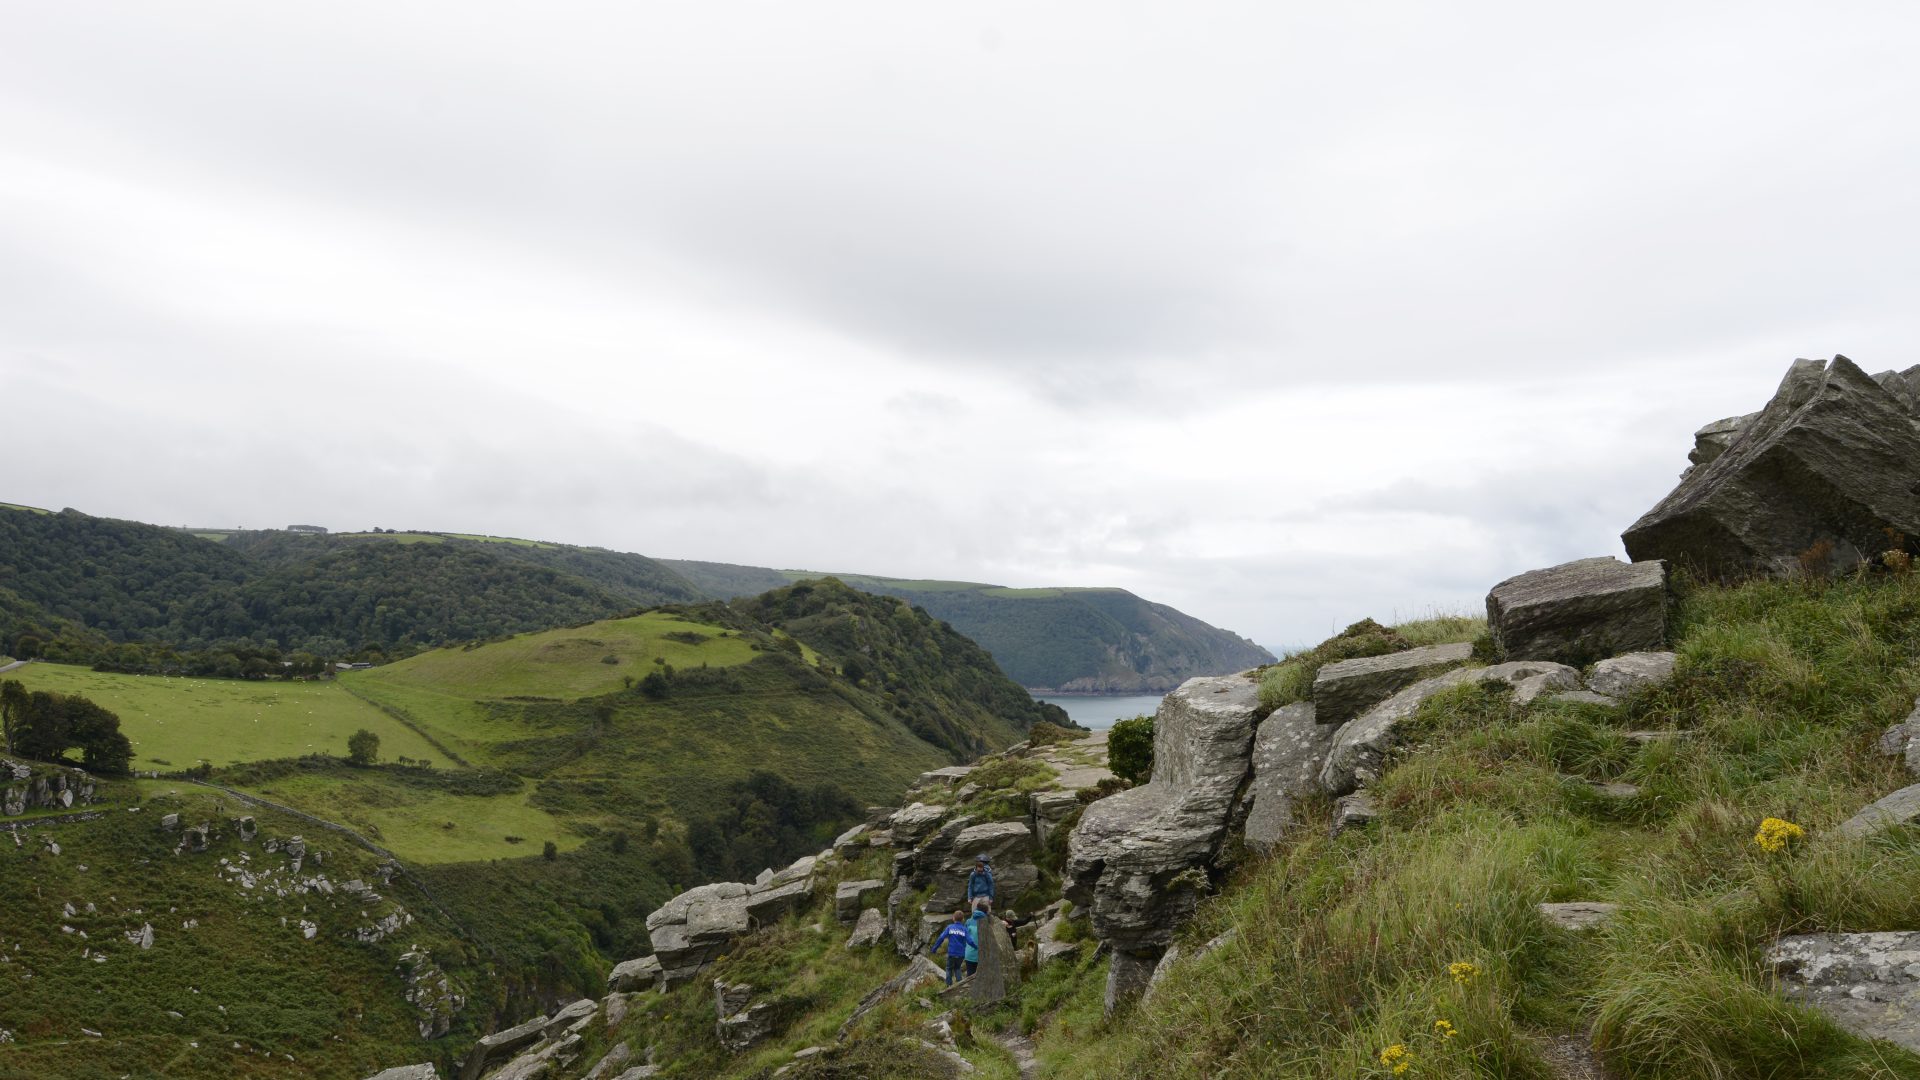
column 400, row 538
column 175, row 723
column 421, row 824
column 513, row 540
column 28, row 509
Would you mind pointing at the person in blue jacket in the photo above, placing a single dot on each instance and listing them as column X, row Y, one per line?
column 958, row 941
column 974, row 921
column 980, row 882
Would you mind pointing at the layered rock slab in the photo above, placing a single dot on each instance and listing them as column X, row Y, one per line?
column 1359, row 750
column 1631, row 673
column 1867, row 983
column 1288, row 750
column 1580, row 611
column 1347, row 688
column 1125, row 855
column 1833, row 459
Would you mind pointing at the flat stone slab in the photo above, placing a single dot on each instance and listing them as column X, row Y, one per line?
column 1344, row 690
column 1630, row 673
column 1578, row 914
column 1867, row 983
column 1579, row 611
column 1359, row 749
column 1584, row 697
column 1900, row 808
column 1902, row 740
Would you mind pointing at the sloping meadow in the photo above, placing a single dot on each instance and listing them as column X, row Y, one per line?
column 1415, row 947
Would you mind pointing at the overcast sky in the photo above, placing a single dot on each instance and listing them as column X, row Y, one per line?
column 1284, row 314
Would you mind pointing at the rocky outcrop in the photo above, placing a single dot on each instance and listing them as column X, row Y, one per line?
column 1619, row 676
column 741, row 1023
column 42, row 787
column 635, row 975
column 1288, row 750
column 1902, row 740
column 1580, row 611
column 851, row 897
column 1712, row 440
column 1900, row 808
column 501, row 1044
column 1867, row 983
column 1051, row 809
column 1353, row 811
column 1359, row 751
column 435, row 998
column 1008, row 846
column 408, row 1072
column 1813, row 481
column 868, row 931
column 1347, row 688
column 1137, row 860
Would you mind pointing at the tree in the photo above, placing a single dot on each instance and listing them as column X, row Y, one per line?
column 550, row 851
column 96, row 731
column 363, row 747
column 1130, row 749
column 41, row 730
column 13, row 709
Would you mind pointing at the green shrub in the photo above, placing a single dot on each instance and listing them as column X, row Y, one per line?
column 1045, row 733
column 1130, row 749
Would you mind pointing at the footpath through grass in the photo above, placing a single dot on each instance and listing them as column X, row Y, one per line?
column 1418, row 939
column 175, row 722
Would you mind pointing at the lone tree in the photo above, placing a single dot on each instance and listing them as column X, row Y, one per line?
column 363, row 747
column 1130, row 749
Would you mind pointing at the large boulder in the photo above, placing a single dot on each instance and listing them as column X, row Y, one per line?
column 1008, row 846
column 867, row 932
column 999, row 970
column 1347, row 688
column 635, row 975
column 1359, row 750
column 1288, row 751
column 1823, row 471
column 1580, row 611
column 1867, row 983
column 693, row 928
column 499, row 1045
column 849, row 897
column 1631, row 673
column 1131, row 861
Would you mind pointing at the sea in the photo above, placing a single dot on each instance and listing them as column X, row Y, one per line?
column 1099, row 711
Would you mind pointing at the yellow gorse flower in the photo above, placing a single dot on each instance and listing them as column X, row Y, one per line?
column 1397, row 1057
column 1776, row 833
column 1463, row 971
column 1444, row 1029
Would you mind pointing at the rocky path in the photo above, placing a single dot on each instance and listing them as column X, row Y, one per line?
column 1022, row 1049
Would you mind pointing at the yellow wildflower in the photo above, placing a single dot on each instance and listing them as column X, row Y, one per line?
column 1397, row 1057
column 1444, row 1029
column 1463, row 971
column 1775, row 834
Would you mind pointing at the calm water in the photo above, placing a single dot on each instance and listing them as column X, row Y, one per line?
column 1099, row 712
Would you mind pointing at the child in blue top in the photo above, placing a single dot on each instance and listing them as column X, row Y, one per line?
column 958, row 940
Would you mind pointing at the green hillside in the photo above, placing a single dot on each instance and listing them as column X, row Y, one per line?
column 1071, row 640
column 143, row 597
column 230, row 986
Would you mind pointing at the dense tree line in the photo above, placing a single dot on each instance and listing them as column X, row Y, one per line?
column 136, row 597
column 768, row 822
column 44, row 726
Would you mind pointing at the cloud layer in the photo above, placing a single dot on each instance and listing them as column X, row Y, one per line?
column 1285, row 317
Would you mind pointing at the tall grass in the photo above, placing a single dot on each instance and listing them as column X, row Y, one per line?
column 1343, row 946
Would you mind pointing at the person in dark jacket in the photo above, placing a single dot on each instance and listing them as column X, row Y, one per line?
column 980, row 882
column 958, row 940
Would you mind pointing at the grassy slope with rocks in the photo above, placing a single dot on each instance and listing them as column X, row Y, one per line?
column 1345, row 947
column 230, row 987
column 1064, row 639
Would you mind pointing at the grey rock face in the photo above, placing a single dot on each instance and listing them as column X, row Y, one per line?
column 1344, row 690
column 566, row 1018
column 911, row 824
column 1712, row 440
column 634, row 975
column 247, row 828
column 1128, row 976
column 1047, row 939
column 742, row 1023
column 610, row 1064
column 1531, row 688
column 999, row 969
column 1902, row 740
column 1130, row 859
column 1579, row 611
column 868, row 931
column 691, row 929
column 499, row 1045
column 852, row 843
column 1050, row 808
column 1833, row 457
column 1353, row 811
column 851, row 896
column 1360, row 748
column 1288, row 750
column 1631, row 673
column 1900, row 808
column 766, row 906
column 1867, row 983
column 1578, row 914
column 408, row 1072
column 1008, row 846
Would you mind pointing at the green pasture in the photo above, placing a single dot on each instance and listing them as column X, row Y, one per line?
column 515, row 541
column 176, row 722
column 400, row 538
column 28, row 509
column 419, row 824
column 563, row 664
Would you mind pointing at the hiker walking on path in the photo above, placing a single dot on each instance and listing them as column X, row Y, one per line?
column 980, row 882
column 959, row 941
